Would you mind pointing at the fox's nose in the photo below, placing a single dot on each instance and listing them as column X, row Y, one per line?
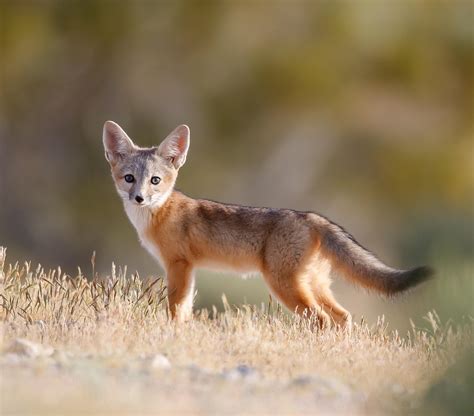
column 139, row 199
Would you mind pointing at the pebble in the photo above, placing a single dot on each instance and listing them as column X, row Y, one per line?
column 324, row 387
column 160, row 362
column 241, row 372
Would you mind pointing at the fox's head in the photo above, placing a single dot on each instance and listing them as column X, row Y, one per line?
column 144, row 176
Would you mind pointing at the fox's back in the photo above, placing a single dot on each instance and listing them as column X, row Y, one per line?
column 241, row 238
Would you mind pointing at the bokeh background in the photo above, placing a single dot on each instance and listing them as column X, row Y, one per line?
column 361, row 111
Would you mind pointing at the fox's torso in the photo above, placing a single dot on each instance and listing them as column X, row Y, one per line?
column 219, row 236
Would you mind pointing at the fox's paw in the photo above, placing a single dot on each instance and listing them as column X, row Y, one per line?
column 344, row 323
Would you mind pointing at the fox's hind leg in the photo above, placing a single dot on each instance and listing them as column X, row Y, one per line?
column 320, row 285
column 296, row 294
column 339, row 315
column 319, row 271
column 287, row 269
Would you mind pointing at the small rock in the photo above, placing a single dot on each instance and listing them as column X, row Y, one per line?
column 241, row 372
column 198, row 374
column 324, row 387
column 302, row 381
column 26, row 348
column 160, row 362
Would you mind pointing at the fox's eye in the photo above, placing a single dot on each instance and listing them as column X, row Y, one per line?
column 129, row 178
column 155, row 180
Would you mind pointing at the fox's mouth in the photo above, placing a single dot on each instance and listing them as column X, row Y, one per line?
column 139, row 204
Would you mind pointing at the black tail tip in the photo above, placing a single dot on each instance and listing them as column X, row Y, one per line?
column 424, row 272
column 410, row 278
column 419, row 275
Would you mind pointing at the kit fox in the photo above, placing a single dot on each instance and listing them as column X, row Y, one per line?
column 294, row 251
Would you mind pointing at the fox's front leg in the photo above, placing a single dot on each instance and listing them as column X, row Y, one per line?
column 180, row 278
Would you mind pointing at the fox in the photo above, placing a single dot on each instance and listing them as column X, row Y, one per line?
column 294, row 251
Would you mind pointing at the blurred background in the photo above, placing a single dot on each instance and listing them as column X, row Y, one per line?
column 361, row 111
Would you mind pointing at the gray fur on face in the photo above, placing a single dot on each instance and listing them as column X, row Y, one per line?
column 144, row 164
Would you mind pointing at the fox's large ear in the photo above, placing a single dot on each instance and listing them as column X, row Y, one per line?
column 175, row 146
column 116, row 142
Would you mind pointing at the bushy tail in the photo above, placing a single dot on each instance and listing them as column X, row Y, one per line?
column 360, row 265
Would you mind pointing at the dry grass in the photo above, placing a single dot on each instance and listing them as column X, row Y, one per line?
column 98, row 341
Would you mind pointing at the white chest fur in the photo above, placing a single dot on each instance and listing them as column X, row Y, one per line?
column 140, row 217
